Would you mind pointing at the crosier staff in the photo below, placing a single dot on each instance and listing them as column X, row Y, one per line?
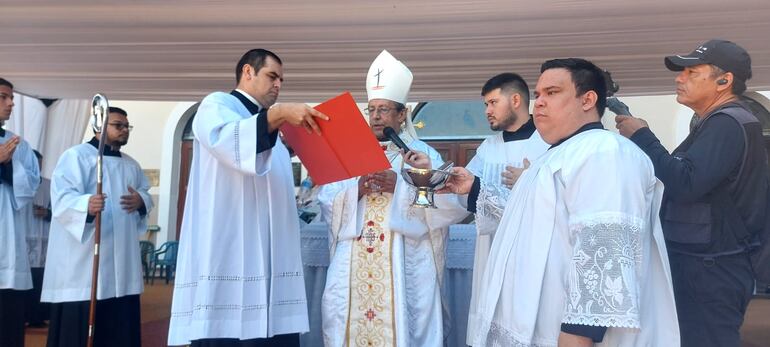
column 100, row 110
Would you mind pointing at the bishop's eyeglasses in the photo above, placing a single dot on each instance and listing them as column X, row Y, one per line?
column 379, row 110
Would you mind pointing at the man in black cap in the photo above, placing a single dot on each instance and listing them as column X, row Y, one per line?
column 716, row 195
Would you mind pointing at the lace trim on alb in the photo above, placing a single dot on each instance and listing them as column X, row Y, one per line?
column 490, row 205
column 604, row 273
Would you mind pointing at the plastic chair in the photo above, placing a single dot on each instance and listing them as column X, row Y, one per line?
column 165, row 257
column 147, row 251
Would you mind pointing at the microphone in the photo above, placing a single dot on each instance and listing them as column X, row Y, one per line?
column 391, row 134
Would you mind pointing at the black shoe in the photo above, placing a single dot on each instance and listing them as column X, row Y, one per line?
column 37, row 324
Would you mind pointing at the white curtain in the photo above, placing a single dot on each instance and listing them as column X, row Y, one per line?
column 49, row 130
column 67, row 120
column 28, row 120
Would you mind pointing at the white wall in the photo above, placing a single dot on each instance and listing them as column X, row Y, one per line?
column 149, row 119
column 145, row 144
column 667, row 119
column 169, row 175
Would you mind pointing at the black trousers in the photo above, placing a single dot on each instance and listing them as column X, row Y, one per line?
column 711, row 298
column 12, row 317
column 118, row 323
column 287, row 340
column 37, row 312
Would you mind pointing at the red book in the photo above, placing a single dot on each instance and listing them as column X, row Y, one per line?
column 346, row 147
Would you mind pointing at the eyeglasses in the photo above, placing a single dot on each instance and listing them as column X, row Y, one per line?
column 380, row 110
column 121, row 126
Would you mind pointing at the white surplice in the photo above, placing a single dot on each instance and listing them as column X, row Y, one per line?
column 14, row 264
column 37, row 227
column 416, row 265
column 491, row 158
column 239, row 271
column 580, row 242
column 70, row 254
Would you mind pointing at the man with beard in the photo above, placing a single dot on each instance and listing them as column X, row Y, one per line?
column 499, row 160
column 579, row 257
column 124, row 205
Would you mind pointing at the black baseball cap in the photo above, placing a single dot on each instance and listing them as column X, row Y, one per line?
column 724, row 54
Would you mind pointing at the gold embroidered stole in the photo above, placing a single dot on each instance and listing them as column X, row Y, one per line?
column 371, row 315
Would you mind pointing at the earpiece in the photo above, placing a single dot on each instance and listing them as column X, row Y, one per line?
column 722, row 81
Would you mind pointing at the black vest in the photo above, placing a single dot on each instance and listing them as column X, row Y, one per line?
column 718, row 223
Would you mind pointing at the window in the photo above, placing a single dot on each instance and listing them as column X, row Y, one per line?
column 451, row 120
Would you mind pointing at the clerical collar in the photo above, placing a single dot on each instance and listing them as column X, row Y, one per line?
column 522, row 133
column 247, row 100
column 586, row 127
column 107, row 149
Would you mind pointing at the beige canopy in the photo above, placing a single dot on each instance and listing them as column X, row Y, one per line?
column 183, row 49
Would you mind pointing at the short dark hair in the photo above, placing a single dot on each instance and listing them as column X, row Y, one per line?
column 739, row 85
column 507, row 82
column 585, row 75
column 256, row 58
column 5, row 82
column 118, row 110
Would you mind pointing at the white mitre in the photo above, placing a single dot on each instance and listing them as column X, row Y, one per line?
column 388, row 78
